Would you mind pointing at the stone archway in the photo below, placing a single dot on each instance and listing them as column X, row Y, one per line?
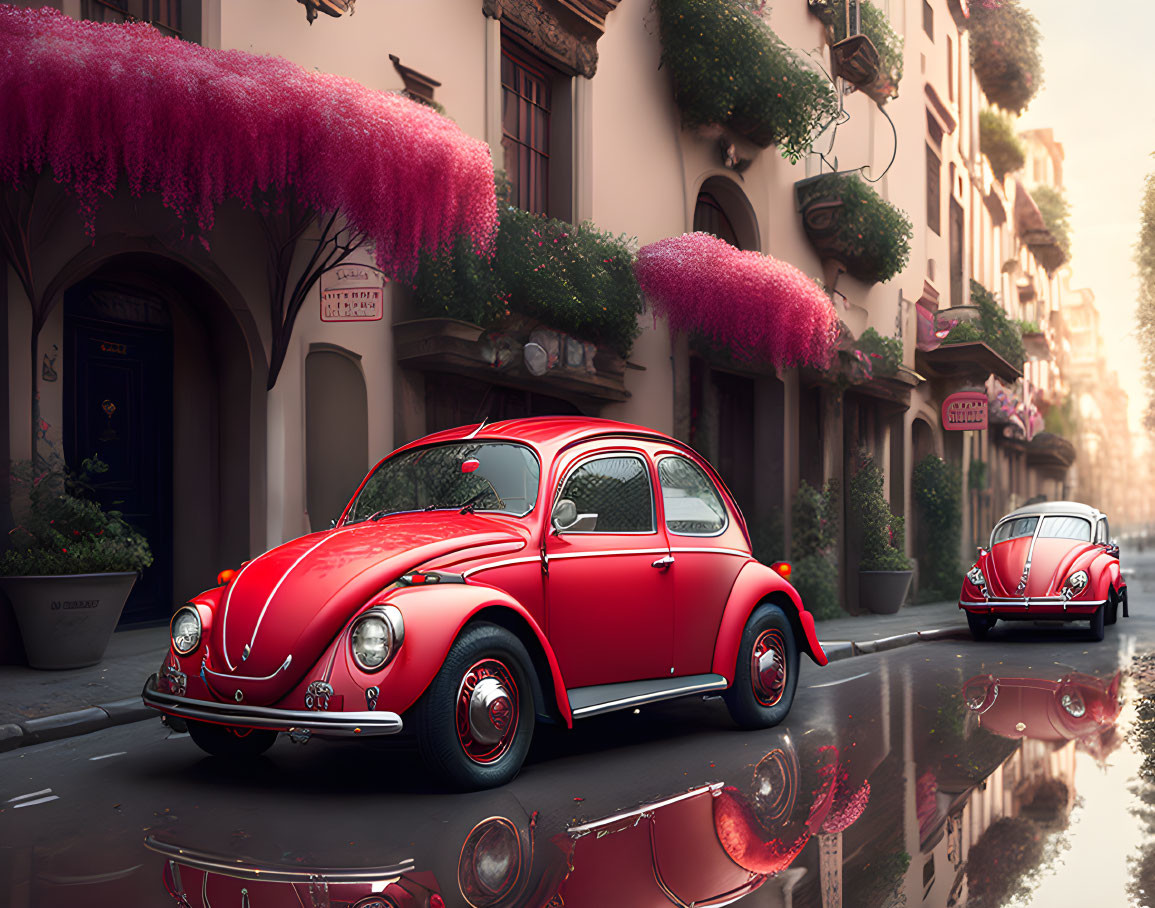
column 158, row 378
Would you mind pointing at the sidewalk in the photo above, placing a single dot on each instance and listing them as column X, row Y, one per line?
column 38, row 706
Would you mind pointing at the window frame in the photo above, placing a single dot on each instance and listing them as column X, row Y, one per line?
column 713, row 485
column 523, row 59
column 611, row 455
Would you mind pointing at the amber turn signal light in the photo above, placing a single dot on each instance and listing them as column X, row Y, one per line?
column 225, row 576
column 783, row 568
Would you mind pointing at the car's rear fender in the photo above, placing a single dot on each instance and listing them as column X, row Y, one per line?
column 435, row 616
column 756, row 584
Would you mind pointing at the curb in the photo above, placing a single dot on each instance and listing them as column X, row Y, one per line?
column 70, row 724
column 130, row 709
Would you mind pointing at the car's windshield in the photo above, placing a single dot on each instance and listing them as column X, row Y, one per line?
column 487, row 476
column 1013, row 529
column 1061, row 527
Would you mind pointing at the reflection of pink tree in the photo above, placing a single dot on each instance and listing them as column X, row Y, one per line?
column 755, row 306
column 97, row 106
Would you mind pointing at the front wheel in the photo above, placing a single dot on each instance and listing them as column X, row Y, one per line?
column 980, row 625
column 231, row 742
column 1112, row 610
column 1097, row 622
column 767, row 670
column 475, row 721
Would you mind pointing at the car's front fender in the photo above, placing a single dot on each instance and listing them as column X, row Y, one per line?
column 756, row 584
column 1109, row 578
column 434, row 617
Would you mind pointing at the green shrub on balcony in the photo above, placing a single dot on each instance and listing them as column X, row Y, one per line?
column 579, row 280
column 1005, row 53
column 730, row 69
column 884, row 353
column 866, row 233
column 877, row 28
column 1056, row 212
column 1000, row 143
column 993, row 328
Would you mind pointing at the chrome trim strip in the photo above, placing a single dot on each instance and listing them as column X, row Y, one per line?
column 345, row 724
column 586, row 828
column 561, row 555
column 712, row 551
column 655, row 696
column 276, row 873
column 284, row 576
column 205, row 670
column 536, row 559
column 225, row 613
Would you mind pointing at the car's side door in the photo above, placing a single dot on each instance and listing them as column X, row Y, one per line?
column 609, row 593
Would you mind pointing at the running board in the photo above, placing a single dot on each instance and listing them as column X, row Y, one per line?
column 606, row 698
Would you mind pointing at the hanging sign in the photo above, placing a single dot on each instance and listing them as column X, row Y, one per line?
column 352, row 293
column 966, row 410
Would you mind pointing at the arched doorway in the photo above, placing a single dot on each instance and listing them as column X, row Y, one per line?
column 336, row 431
column 156, row 381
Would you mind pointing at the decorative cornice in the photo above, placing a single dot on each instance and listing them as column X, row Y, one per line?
column 565, row 32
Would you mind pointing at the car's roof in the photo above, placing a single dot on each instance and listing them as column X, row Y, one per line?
column 1056, row 507
column 545, row 431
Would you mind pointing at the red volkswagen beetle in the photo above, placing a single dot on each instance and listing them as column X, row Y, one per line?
column 485, row 578
column 1053, row 561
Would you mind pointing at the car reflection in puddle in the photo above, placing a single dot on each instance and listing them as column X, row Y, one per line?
column 711, row 844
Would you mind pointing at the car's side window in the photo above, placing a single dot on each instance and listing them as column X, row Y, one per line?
column 617, row 490
column 692, row 503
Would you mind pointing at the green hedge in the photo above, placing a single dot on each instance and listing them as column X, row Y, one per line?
column 730, row 69
column 883, row 534
column 579, row 280
column 937, row 488
column 814, row 533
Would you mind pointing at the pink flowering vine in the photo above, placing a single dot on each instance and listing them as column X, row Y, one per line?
column 97, row 104
column 755, row 306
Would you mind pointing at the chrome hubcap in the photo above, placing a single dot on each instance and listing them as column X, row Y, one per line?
column 768, row 667
column 487, row 711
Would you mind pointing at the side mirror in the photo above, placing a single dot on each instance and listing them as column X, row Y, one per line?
column 565, row 515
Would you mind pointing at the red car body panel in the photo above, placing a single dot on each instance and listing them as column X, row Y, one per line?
column 593, row 608
column 1032, row 707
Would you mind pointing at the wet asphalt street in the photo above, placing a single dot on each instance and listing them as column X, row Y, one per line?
column 945, row 773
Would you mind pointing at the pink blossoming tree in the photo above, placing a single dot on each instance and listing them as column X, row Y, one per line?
column 756, row 307
column 100, row 107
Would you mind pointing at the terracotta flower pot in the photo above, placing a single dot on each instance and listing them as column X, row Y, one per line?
column 883, row 592
column 66, row 620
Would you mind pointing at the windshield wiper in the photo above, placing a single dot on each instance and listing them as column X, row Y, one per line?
column 468, row 507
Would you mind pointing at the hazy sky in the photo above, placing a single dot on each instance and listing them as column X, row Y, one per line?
column 1095, row 98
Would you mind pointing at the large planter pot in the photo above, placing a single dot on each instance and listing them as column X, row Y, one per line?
column 883, row 592
column 66, row 620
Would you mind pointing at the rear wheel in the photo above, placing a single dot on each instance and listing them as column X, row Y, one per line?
column 475, row 721
column 980, row 625
column 1097, row 622
column 229, row 741
column 767, row 670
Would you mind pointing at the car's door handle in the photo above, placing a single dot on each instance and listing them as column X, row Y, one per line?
column 664, row 562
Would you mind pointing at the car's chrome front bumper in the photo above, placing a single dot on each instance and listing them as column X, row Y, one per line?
column 318, row 722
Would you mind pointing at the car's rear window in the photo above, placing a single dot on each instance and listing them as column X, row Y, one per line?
column 1013, row 529
column 1059, row 527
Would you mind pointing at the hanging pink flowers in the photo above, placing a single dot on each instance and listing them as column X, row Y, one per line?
column 100, row 103
column 755, row 306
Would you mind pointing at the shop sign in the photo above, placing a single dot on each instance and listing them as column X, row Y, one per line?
column 966, row 410
column 352, row 293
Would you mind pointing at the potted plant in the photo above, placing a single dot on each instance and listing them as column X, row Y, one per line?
column 884, row 572
column 729, row 70
column 1005, row 53
column 937, row 488
column 814, row 540
column 871, row 58
column 71, row 566
column 848, row 222
column 1000, row 143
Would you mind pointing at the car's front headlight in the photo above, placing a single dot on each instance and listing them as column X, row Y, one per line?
column 376, row 636
column 1075, row 584
column 185, row 629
